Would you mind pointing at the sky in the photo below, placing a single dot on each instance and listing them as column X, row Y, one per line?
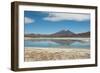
column 38, row 22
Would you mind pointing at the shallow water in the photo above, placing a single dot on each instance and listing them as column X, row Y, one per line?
column 57, row 43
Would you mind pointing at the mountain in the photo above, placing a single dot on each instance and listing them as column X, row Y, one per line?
column 68, row 32
column 85, row 34
column 61, row 33
column 29, row 35
column 32, row 35
column 64, row 33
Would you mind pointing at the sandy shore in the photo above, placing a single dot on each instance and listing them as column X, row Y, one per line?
column 43, row 54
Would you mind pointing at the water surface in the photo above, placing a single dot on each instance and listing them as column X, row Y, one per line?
column 57, row 43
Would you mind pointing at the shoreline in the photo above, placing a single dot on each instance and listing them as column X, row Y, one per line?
column 45, row 54
column 57, row 38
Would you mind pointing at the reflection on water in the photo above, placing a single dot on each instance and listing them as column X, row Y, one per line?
column 58, row 43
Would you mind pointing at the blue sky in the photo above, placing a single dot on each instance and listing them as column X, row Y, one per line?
column 50, row 22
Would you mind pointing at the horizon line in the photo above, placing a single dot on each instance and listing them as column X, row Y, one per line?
column 53, row 32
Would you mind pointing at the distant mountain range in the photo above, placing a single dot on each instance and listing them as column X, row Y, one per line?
column 62, row 33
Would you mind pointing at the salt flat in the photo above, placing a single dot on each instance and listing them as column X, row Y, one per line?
column 43, row 54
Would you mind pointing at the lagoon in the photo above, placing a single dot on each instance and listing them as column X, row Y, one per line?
column 58, row 42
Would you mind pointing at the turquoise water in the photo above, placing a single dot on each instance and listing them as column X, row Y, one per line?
column 57, row 43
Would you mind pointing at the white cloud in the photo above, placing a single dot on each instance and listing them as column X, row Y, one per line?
column 28, row 20
column 67, row 16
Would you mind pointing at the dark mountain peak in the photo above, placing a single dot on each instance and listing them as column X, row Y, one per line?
column 68, row 32
column 63, row 30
